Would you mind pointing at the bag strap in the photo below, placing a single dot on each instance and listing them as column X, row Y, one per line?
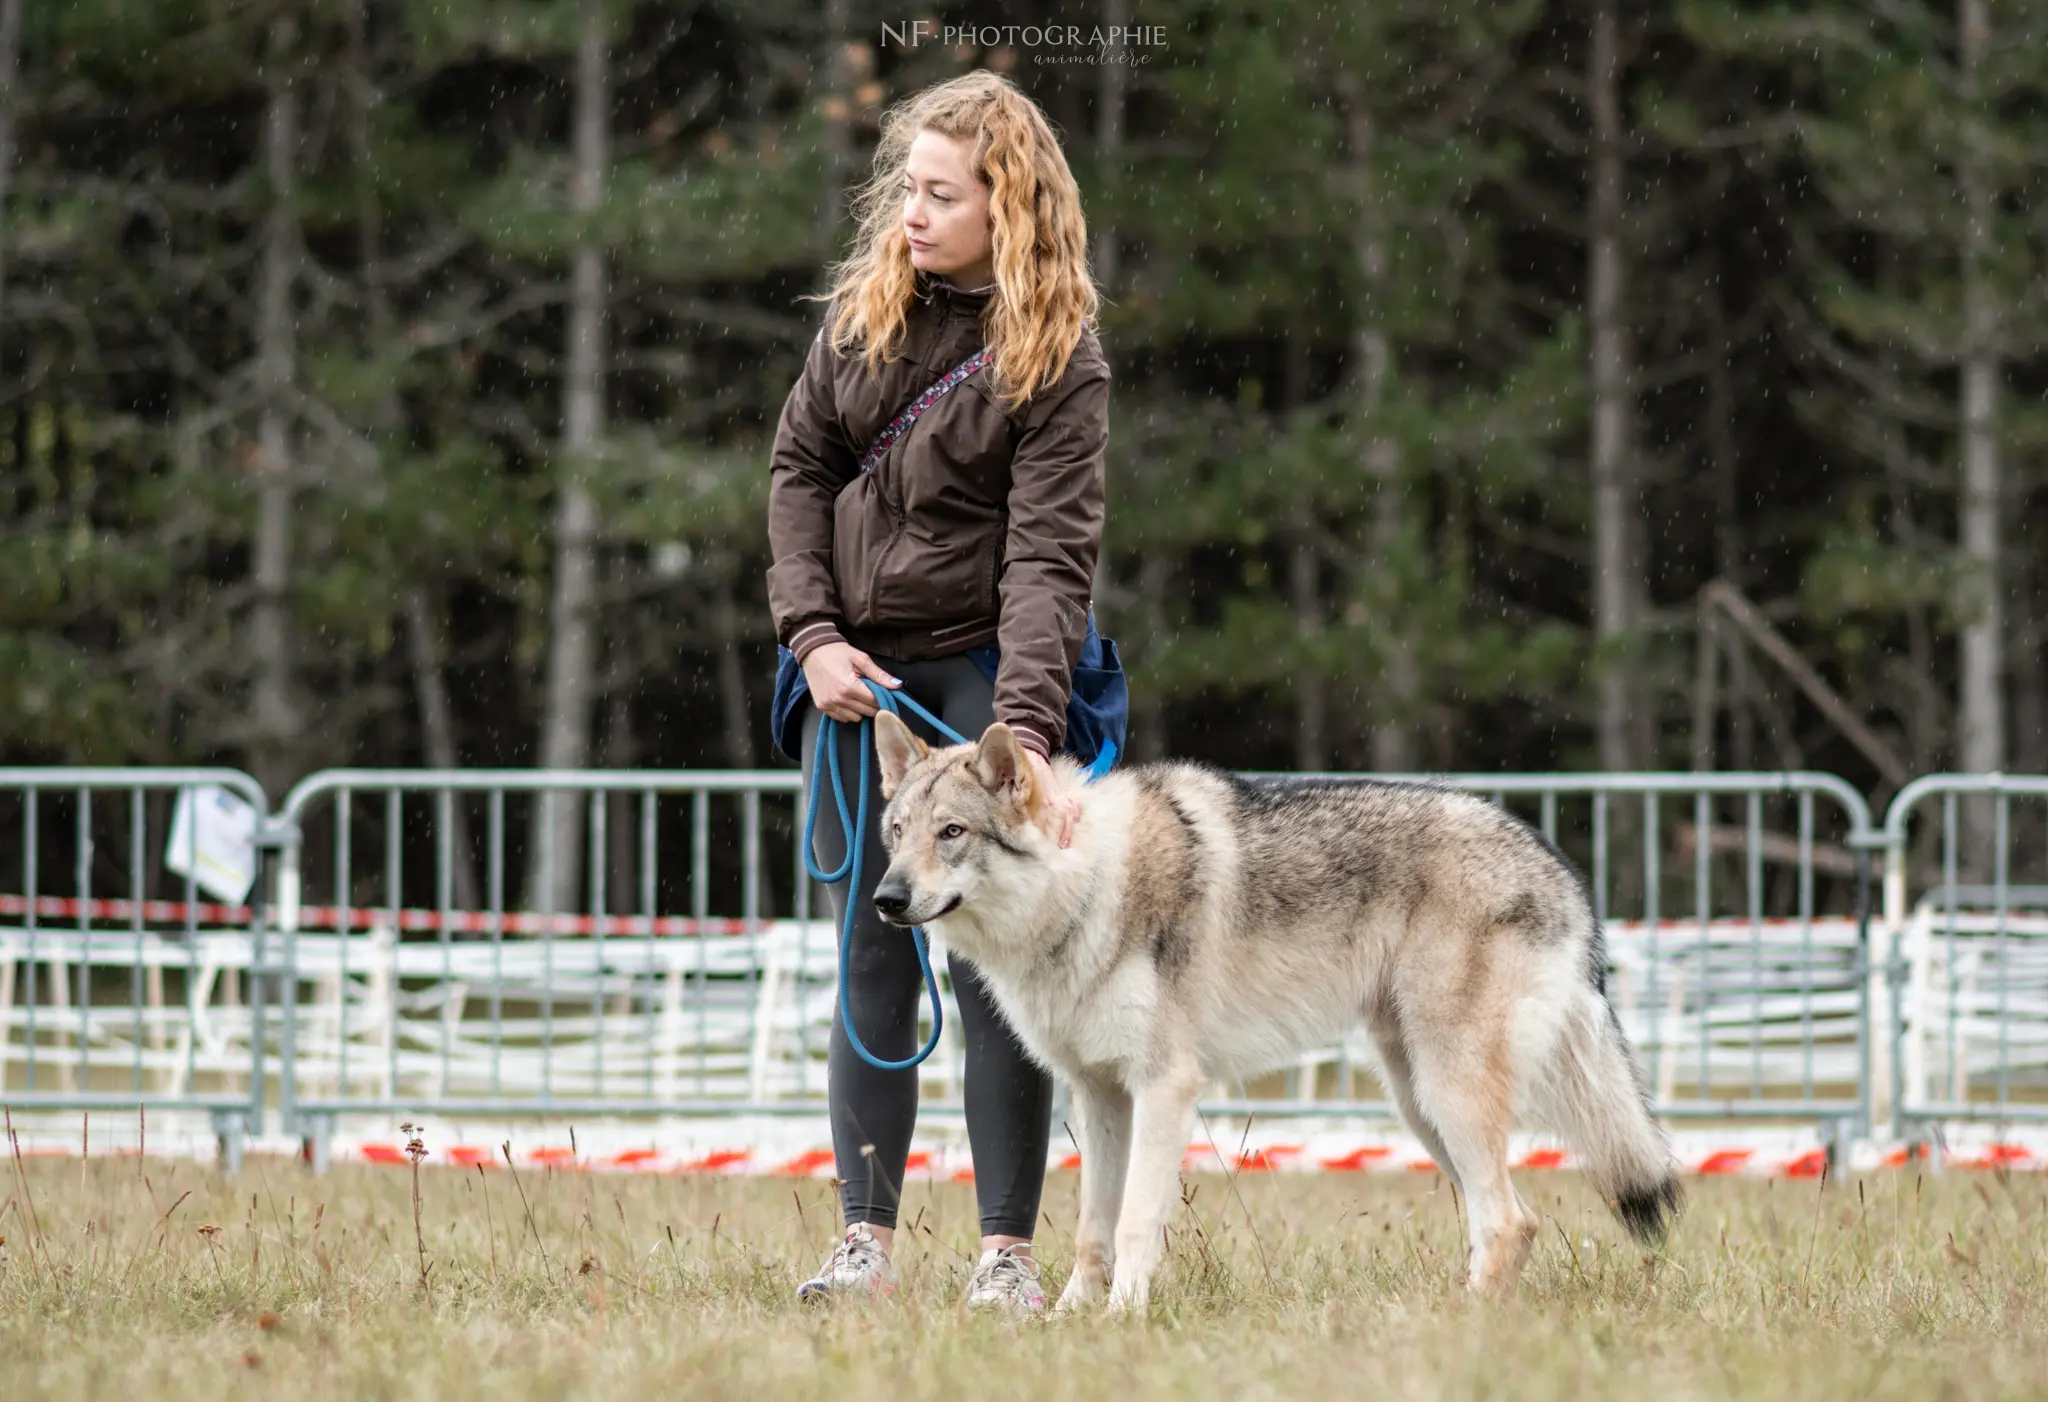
column 900, row 425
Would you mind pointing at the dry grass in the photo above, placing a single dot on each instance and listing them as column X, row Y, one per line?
column 146, row 1280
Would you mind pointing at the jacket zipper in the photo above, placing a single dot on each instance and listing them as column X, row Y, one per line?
column 995, row 562
column 894, row 498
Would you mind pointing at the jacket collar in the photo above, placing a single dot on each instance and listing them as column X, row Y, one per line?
column 930, row 285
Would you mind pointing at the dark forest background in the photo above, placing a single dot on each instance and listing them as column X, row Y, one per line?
column 1520, row 387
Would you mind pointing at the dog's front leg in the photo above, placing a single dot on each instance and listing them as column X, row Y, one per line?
column 1103, row 1109
column 1162, row 1116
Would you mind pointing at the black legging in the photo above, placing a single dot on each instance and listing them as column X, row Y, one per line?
column 1008, row 1096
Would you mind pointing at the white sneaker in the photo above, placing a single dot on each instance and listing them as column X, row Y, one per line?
column 857, row 1265
column 1004, row 1279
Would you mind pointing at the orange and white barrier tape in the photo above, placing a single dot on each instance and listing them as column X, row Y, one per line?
column 1314, row 1154
column 115, row 911
column 123, row 912
column 797, row 1149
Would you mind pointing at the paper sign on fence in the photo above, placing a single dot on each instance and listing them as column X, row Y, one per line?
column 213, row 840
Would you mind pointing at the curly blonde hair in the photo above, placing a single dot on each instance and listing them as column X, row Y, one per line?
column 1044, row 294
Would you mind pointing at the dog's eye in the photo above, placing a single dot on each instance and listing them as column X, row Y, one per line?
column 951, row 831
column 896, row 832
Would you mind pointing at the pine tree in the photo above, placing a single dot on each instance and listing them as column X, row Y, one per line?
column 1327, row 221
column 1924, row 133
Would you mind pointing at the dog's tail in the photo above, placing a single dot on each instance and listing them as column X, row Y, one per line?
column 1593, row 1094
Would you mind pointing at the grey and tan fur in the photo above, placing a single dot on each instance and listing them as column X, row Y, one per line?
column 1203, row 926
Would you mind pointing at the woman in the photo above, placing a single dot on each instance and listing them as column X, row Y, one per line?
column 954, row 564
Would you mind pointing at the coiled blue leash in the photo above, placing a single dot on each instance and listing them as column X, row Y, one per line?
column 856, row 823
column 848, row 871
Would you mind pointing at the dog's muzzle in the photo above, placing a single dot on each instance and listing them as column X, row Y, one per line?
column 892, row 899
column 892, row 902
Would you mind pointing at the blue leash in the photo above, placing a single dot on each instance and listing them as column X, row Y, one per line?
column 856, row 822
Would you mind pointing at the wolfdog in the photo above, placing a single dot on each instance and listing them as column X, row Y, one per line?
column 1201, row 925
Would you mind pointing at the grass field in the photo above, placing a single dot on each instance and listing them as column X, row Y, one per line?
column 149, row 1279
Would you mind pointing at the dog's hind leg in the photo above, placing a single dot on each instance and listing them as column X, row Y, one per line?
column 1162, row 1117
column 1399, row 1078
column 1103, row 1109
column 1463, row 1085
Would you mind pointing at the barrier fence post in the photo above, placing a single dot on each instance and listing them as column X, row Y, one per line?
column 283, row 833
column 1866, row 1033
column 1892, row 1084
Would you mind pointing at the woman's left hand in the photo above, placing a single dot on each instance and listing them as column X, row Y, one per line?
column 1066, row 809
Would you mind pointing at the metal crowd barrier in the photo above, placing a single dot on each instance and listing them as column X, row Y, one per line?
column 120, row 989
column 592, row 981
column 1966, row 902
column 1740, row 972
column 431, row 946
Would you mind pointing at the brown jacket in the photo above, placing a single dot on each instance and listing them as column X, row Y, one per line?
column 976, row 525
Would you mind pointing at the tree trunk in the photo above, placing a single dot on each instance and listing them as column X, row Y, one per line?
column 1304, row 579
column 1723, row 458
column 1706, row 684
column 622, row 810
column 1616, row 608
column 838, row 126
column 1155, row 570
column 621, row 750
column 1742, row 685
column 2030, row 707
column 733, row 707
column 277, row 718
column 1111, row 100
column 10, row 98
column 1305, row 595
column 1927, row 710
column 1980, row 681
column 572, row 612
column 1980, row 741
column 369, row 212
column 1398, row 708
column 437, row 733
column 2030, row 683
column 1395, row 710
column 1722, row 452
column 1148, row 708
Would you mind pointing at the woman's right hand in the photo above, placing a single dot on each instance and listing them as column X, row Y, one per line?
column 834, row 672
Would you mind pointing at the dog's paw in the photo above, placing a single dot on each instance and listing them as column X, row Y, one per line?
column 1082, row 1292
column 1127, row 1299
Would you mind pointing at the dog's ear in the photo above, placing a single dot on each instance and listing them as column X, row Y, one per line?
column 899, row 748
column 1002, row 766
